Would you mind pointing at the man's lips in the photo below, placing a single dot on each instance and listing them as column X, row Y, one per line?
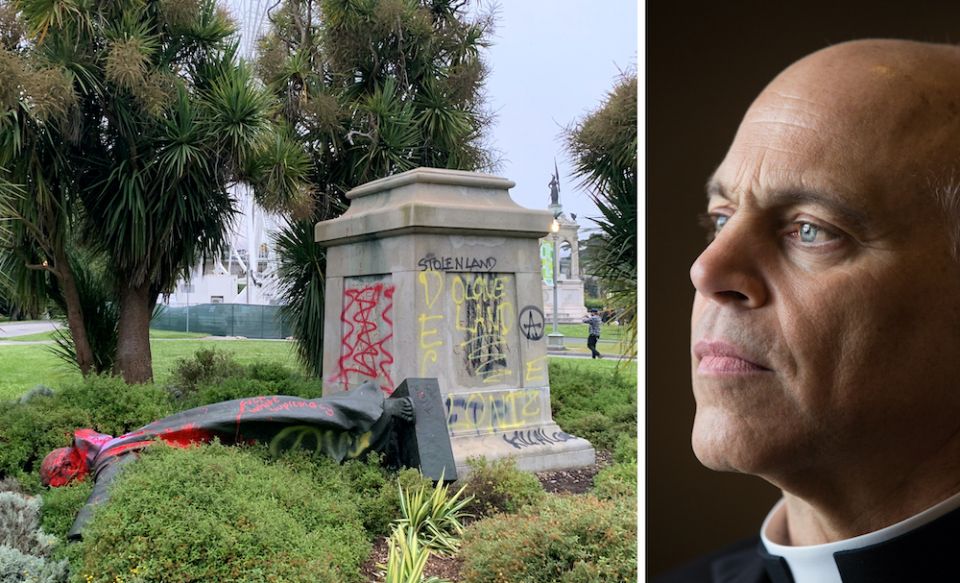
column 717, row 357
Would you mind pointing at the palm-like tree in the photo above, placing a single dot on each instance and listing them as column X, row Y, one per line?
column 158, row 119
column 604, row 150
column 370, row 88
column 37, row 125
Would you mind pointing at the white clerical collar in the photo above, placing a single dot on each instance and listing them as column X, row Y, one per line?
column 816, row 564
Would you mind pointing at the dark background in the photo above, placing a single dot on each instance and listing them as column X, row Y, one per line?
column 704, row 65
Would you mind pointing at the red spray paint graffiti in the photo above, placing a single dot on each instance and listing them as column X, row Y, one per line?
column 367, row 330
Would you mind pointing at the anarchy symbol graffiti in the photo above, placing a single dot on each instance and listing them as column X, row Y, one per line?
column 532, row 322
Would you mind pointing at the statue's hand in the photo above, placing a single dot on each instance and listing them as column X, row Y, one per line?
column 402, row 408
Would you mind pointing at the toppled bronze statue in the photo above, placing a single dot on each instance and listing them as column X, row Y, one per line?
column 409, row 428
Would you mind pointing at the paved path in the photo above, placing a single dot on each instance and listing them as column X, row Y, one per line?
column 11, row 329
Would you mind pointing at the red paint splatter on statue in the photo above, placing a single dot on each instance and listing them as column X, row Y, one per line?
column 186, row 435
column 63, row 465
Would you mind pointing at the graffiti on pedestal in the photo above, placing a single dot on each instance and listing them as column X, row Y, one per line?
column 536, row 371
column 533, row 437
column 484, row 412
column 366, row 336
column 532, row 322
column 430, row 320
column 472, row 315
column 483, row 315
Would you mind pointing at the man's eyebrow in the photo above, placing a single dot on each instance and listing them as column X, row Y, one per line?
column 714, row 188
column 795, row 196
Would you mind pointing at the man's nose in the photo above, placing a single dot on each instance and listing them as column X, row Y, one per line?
column 729, row 270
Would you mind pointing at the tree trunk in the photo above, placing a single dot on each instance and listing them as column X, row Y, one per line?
column 78, row 329
column 134, row 360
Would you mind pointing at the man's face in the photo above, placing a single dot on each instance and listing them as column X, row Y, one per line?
column 825, row 326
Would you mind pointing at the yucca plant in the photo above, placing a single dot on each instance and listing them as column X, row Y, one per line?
column 430, row 522
column 406, row 558
column 436, row 516
column 604, row 150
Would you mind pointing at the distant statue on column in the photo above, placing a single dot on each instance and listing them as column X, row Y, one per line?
column 554, row 191
column 555, row 186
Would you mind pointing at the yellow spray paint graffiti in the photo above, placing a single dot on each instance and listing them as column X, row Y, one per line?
column 536, row 370
column 493, row 411
column 482, row 315
column 431, row 282
column 339, row 445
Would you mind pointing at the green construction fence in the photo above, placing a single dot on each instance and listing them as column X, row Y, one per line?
column 223, row 320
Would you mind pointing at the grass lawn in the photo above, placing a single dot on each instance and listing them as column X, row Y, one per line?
column 23, row 367
column 607, row 331
column 172, row 334
column 167, row 334
column 38, row 337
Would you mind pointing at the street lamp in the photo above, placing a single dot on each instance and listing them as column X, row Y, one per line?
column 555, row 339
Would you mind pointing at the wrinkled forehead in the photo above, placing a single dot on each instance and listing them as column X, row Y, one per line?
column 878, row 119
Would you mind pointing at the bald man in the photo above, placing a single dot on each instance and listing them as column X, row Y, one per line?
column 825, row 333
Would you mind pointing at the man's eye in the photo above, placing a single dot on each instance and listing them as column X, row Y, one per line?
column 719, row 221
column 713, row 222
column 811, row 234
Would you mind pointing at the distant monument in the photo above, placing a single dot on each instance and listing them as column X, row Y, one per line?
column 570, row 302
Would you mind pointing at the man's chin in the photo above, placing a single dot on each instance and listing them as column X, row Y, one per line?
column 727, row 451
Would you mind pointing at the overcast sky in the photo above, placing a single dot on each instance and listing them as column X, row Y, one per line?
column 553, row 61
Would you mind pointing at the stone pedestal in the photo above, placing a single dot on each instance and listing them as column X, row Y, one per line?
column 436, row 273
column 570, row 307
column 570, row 304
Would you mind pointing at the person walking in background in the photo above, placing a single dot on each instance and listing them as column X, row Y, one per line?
column 593, row 319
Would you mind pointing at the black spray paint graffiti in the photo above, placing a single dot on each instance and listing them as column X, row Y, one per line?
column 532, row 322
column 532, row 437
column 430, row 262
column 481, row 314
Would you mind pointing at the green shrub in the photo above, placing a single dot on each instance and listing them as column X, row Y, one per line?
column 616, row 481
column 242, row 387
column 115, row 407
column 625, row 449
column 227, row 390
column 375, row 492
column 368, row 485
column 568, row 539
column 270, row 371
column 215, row 513
column 593, row 303
column 208, row 365
column 61, row 505
column 596, row 405
column 30, row 430
column 593, row 426
column 498, row 486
